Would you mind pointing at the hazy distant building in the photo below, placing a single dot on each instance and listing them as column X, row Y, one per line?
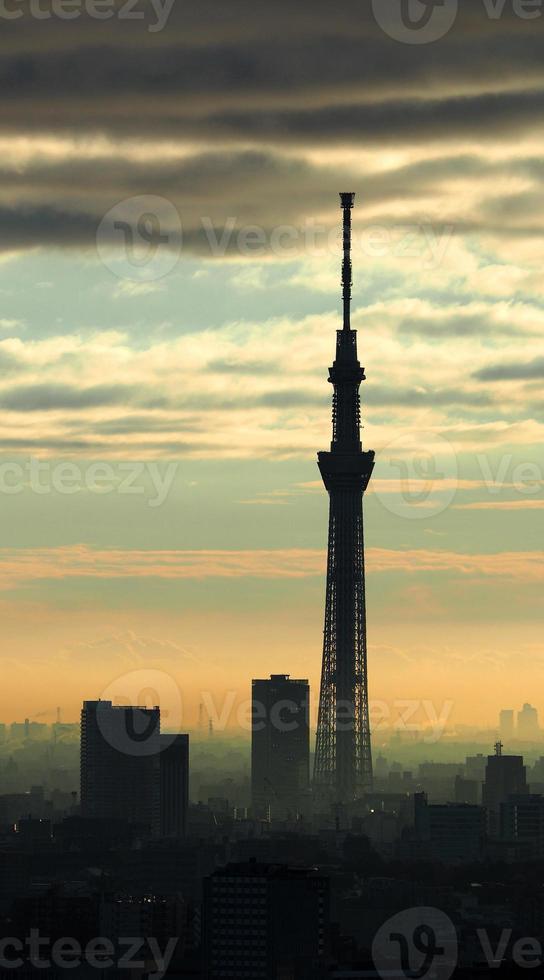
column 506, row 725
column 536, row 776
column 29, row 730
column 505, row 776
column 467, row 790
column 528, row 729
column 280, row 746
column 438, row 779
column 174, row 771
column 120, row 759
column 450, row 832
column 475, row 767
column 265, row 922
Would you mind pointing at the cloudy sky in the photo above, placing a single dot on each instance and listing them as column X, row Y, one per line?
column 169, row 294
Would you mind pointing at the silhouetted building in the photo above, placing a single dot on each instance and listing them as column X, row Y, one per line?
column 264, row 922
column 280, row 746
column 528, row 728
column 505, row 776
column 120, row 758
column 174, row 769
column 506, row 725
column 452, row 832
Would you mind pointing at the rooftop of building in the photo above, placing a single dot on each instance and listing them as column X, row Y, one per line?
column 258, row 869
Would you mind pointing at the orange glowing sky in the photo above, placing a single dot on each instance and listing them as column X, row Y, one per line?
column 159, row 419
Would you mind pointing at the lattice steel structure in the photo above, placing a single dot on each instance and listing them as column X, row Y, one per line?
column 343, row 760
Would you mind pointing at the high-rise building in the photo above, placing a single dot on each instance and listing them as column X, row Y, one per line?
column 280, row 746
column 505, row 776
column 343, row 761
column 506, row 725
column 528, row 728
column 174, row 769
column 120, row 764
column 265, row 922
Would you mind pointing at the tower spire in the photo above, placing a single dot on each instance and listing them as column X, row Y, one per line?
column 347, row 279
column 343, row 759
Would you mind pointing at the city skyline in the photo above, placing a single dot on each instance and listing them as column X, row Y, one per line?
column 234, row 746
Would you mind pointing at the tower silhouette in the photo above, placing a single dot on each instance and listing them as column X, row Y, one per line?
column 343, row 759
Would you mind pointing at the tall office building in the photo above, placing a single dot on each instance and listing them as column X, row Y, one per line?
column 343, row 762
column 506, row 725
column 174, row 769
column 528, row 728
column 280, row 746
column 265, row 922
column 505, row 775
column 120, row 764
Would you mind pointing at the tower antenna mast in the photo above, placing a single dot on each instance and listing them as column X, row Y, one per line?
column 347, row 268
